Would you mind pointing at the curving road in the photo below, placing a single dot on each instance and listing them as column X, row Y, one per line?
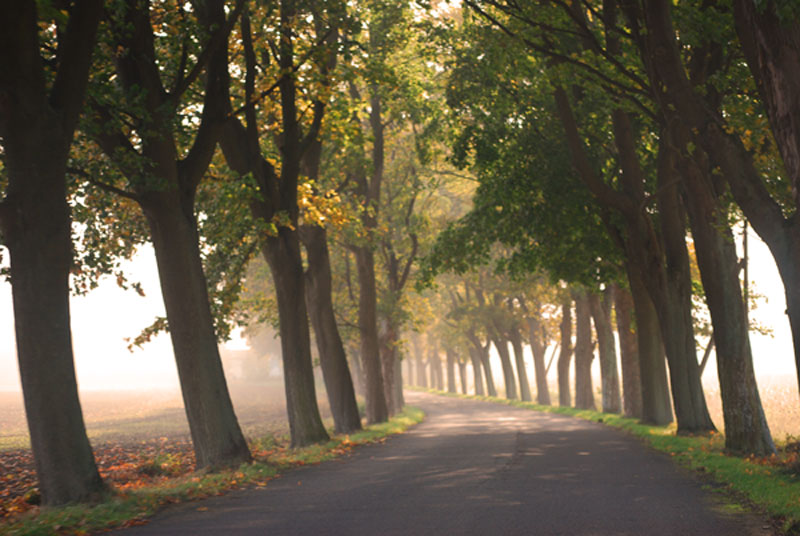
column 475, row 468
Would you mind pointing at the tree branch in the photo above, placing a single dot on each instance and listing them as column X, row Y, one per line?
column 102, row 185
column 217, row 38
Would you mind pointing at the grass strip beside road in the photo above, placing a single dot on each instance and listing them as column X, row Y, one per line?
column 121, row 508
column 770, row 485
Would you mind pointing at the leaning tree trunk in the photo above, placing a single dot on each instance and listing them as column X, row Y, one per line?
column 483, row 352
column 746, row 430
column 673, row 304
column 629, row 354
column 522, row 374
column 656, row 400
column 377, row 410
column 217, row 438
column 332, row 357
column 564, row 396
column 609, row 376
column 451, row 370
column 584, row 353
column 539, row 367
column 477, row 371
column 505, row 360
column 283, row 256
column 662, row 261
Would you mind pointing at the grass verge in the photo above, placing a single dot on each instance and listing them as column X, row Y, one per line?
column 770, row 485
column 128, row 508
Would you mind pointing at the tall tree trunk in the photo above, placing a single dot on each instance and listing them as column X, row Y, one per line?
column 283, row 255
column 37, row 130
column 386, row 343
column 451, row 370
column 538, row 351
column 39, row 240
column 505, row 361
column 656, row 400
column 377, row 410
column 357, row 369
column 483, row 352
column 584, row 353
column 217, row 438
column 746, row 429
column 772, row 49
column 609, row 376
column 674, row 304
column 564, row 396
column 522, row 374
column 332, row 357
column 436, row 368
column 629, row 354
column 477, row 370
column 660, row 254
column 462, row 375
column 422, row 374
column 410, row 373
column 399, row 400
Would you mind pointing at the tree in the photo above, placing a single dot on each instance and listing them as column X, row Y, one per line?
column 39, row 110
column 601, row 316
column 137, row 119
column 584, row 351
column 745, row 424
column 275, row 202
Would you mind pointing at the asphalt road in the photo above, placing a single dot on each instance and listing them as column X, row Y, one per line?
column 475, row 468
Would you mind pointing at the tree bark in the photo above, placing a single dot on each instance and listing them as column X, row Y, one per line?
column 564, row 396
column 746, row 430
column 332, row 357
column 611, row 398
column 217, row 438
column 522, row 374
column 437, row 381
column 629, row 354
column 462, row 375
column 477, row 370
column 451, row 370
column 509, row 380
column 538, row 351
column 284, row 257
column 376, row 406
column 357, row 370
column 483, row 352
column 584, row 353
column 656, row 401
column 419, row 357
column 35, row 226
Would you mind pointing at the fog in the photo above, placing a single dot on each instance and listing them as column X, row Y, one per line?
column 102, row 320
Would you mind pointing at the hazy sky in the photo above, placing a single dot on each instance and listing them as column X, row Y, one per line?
column 102, row 320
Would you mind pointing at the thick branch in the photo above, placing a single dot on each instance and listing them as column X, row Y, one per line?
column 74, row 60
column 580, row 159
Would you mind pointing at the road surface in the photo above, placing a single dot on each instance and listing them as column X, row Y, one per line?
column 475, row 468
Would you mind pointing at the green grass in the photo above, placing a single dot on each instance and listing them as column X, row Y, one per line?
column 122, row 508
column 759, row 483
